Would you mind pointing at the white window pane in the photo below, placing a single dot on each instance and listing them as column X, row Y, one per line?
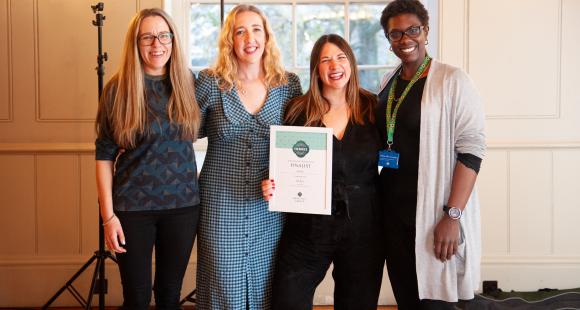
column 304, row 75
column 371, row 78
column 367, row 38
column 314, row 20
column 280, row 19
column 204, row 31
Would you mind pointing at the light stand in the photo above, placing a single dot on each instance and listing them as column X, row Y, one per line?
column 99, row 281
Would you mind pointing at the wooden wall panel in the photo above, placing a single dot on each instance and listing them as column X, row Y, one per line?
column 144, row 4
column 517, row 79
column 5, row 62
column 89, row 206
column 68, row 85
column 493, row 190
column 566, row 202
column 453, row 30
column 530, row 202
column 23, row 78
column 58, row 204
column 533, row 275
column 17, row 205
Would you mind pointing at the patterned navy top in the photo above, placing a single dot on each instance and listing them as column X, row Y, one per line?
column 160, row 172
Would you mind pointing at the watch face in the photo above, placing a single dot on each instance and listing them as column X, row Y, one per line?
column 454, row 213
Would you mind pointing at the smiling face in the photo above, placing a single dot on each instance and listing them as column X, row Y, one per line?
column 334, row 68
column 249, row 37
column 154, row 57
column 411, row 51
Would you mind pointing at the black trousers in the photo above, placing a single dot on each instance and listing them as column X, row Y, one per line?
column 171, row 233
column 400, row 257
column 310, row 243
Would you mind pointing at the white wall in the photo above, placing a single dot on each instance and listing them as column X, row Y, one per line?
column 522, row 55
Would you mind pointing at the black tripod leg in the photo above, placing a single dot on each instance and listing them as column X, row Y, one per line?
column 189, row 297
column 113, row 258
column 94, row 281
column 70, row 282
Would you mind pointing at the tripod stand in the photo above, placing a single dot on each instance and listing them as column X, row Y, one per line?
column 98, row 282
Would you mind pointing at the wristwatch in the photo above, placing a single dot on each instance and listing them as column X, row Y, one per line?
column 454, row 213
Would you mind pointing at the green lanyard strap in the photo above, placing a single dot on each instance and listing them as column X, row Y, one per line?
column 392, row 117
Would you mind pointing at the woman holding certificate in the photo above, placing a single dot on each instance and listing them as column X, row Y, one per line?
column 240, row 97
column 431, row 119
column 350, row 237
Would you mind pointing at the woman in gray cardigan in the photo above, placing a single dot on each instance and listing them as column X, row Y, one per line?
column 431, row 120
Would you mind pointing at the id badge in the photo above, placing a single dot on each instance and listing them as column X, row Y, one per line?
column 389, row 159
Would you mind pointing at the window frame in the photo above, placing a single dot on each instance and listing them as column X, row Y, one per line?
column 180, row 11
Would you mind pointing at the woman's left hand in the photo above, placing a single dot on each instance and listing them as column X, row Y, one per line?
column 446, row 238
column 268, row 188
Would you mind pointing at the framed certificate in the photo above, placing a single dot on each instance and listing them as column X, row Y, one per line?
column 301, row 167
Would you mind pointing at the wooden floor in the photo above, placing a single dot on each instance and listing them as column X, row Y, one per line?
column 191, row 308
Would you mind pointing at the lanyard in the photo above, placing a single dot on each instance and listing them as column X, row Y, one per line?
column 392, row 117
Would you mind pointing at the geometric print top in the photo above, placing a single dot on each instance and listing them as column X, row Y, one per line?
column 160, row 172
column 237, row 235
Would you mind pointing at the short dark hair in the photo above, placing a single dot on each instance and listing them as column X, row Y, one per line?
column 398, row 7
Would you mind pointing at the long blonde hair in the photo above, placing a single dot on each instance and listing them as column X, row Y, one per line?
column 360, row 101
column 127, row 115
column 226, row 66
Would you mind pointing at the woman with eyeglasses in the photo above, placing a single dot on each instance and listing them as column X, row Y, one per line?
column 244, row 93
column 432, row 123
column 146, row 173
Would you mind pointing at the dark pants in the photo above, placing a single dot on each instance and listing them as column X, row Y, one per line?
column 400, row 253
column 172, row 233
column 310, row 243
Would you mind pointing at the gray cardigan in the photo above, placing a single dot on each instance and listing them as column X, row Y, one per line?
column 452, row 122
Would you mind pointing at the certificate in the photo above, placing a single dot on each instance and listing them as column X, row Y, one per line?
column 301, row 167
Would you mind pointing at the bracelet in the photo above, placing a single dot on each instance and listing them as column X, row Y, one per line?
column 105, row 223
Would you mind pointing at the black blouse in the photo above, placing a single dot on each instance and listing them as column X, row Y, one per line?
column 354, row 176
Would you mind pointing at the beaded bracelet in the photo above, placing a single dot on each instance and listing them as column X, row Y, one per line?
column 109, row 219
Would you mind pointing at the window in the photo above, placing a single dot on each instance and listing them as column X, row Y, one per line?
column 297, row 25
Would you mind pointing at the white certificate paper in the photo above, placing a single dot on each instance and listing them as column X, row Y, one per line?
column 301, row 167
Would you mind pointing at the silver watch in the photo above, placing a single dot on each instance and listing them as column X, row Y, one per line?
column 453, row 212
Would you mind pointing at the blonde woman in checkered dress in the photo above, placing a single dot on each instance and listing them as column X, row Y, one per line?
column 240, row 97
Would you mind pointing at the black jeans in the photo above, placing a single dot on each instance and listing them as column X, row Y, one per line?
column 400, row 254
column 310, row 243
column 172, row 233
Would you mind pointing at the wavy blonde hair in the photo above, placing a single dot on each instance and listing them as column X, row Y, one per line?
column 127, row 115
column 360, row 102
column 226, row 65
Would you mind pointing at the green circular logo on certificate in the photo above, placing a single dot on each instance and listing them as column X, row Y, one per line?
column 300, row 149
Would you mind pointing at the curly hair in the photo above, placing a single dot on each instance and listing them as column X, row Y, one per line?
column 399, row 7
column 226, row 67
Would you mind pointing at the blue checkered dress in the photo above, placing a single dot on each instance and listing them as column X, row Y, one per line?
column 237, row 236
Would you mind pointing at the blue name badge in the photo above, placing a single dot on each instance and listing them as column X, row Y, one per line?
column 389, row 159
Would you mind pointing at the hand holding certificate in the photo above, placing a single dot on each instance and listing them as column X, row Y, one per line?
column 301, row 165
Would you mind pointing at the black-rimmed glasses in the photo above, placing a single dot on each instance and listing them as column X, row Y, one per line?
column 164, row 38
column 411, row 32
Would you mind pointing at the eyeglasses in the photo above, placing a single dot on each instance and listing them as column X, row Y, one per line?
column 164, row 38
column 411, row 32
